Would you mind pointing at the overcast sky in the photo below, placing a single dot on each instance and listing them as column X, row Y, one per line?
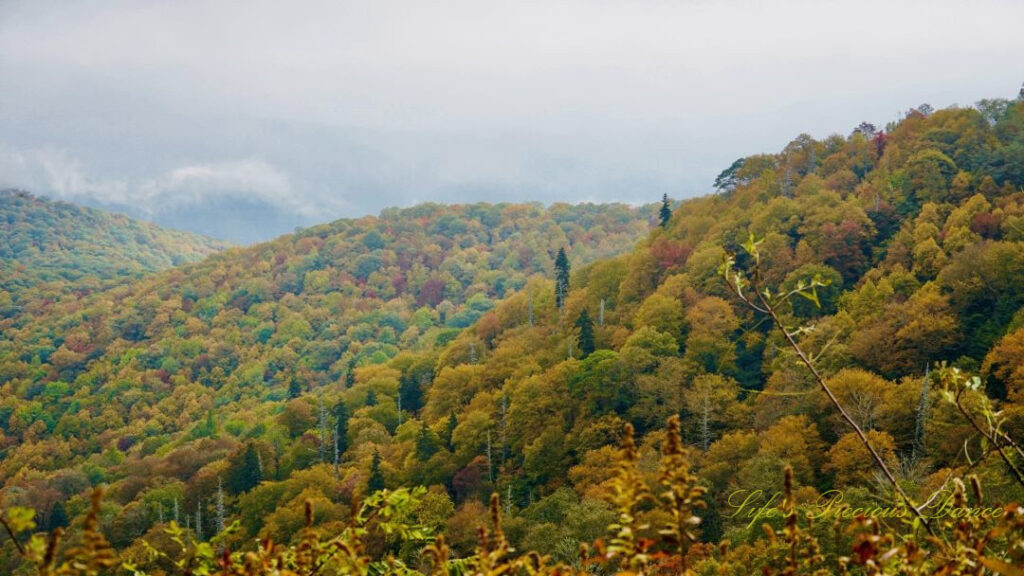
column 245, row 119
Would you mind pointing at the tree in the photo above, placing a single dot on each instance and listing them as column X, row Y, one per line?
column 350, row 374
column 58, row 517
column 664, row 313
column 929, row 173
column 219, row 503
column 411, row 392
column 727, row 180
column 376, row 480
column 862, row 393
column 452, row 389
column 1004, row 365
column 341, row 416
column 453, row 423
column 561, row 278
column 426, row 443
column 472, row 481
column 665, row 214
column 865, row 129
column 244, row 473
column 850, row 461
column 294, row 389
column 708, row 400
column 586, row 335
column 709, row 347
column 906, row 336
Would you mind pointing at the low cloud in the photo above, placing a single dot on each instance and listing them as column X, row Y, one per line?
column 328, row 108
column 58, row 174
column 252, row 180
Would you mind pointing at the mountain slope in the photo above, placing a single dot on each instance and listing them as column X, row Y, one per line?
column 426, row 347
column 44, row 241
column 276, row 319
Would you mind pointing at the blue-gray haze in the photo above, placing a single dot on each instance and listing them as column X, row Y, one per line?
column 246, row 119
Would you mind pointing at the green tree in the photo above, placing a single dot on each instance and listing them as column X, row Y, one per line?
column 411, row 392
column 561, row 278
column 58, row 517
column 341, row 417
column 244, row 473
column 585, row 339
column 665, row 214
column 206, row 429
column 727, row 180
column 350, row 374
column 376, row 481
column 453, row 423
column 426, row 443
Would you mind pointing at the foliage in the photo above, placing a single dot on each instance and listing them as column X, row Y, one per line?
column 432, row 346
column 386, row 537
column 55, row 248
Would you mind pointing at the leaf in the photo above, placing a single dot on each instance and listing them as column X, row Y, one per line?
column 21, row 519
column 1000, row 567
column 204, row 550
column 811, row 295
column 36, row 546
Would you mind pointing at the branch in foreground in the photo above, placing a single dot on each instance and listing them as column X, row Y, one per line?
column 738, row 284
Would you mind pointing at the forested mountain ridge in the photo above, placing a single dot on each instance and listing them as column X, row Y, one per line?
column 46, row 245
column 306, row 370
column 277, row 319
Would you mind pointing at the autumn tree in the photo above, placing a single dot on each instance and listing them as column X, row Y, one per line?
column 850, row 461
column 710, row 401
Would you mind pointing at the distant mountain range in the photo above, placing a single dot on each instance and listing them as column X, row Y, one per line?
column 51, row 242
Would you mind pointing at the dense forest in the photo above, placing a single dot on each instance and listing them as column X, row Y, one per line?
column 49, row 248
column 376, row 381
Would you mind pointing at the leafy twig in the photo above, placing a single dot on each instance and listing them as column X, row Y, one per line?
column 737, row 283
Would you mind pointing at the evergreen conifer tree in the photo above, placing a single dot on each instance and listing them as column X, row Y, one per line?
column 245, row 474
column 426, row 446
column 376, row 481
column 411, row 392
column 561, row 278
column 350, row 374
column 341, row 417
column 586, row 334
column 665, row 214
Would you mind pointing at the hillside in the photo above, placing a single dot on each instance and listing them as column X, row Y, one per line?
column 45, row 245
column 434, row 347
column 281, row 318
